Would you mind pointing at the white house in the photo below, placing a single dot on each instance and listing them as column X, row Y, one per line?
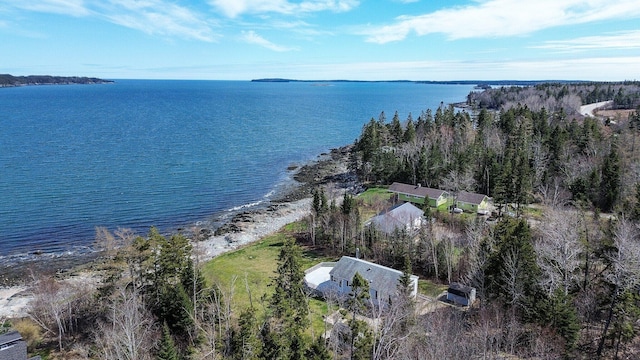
column 327, row 278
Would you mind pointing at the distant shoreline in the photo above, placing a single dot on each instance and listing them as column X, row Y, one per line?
column 431, row 82
column 7, row 80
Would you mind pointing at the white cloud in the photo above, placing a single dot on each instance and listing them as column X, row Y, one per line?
column 65, row 7
column 157, row 17
column 613, row 41
column 233, row 8
column 500, row 18
column 252, row 38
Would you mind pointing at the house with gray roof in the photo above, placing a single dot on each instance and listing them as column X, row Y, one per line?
column 13, row 347
column 336, row 278
column 405, row 217
column 418, row 194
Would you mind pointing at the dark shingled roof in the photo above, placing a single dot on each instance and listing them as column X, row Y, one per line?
column 9, row 337
column 459, row 289
column 416, row 190
column 380, row 277
column 470, row 198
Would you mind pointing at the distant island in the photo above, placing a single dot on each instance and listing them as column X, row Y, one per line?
column 7, row 80
column 482, row 84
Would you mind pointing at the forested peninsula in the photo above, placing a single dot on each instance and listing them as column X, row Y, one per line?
column 7, row 80
column 554, row 260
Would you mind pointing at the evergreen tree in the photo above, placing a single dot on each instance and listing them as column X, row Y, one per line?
column 167, row 349
column 422, row 171
column 272, row 343
column 245, row 342
column 405, row 280
column 410, row 132
column 611, row 174
column 288, row 303
column 559, row 312
column 512, row 272
column 361, row 340
column 318, row 350
column 176, row 310
column 288, row 300
column 361, row 337
column 347, row 204
column 483, row 122
column 317, row 203
column 324, row 203
column 192, row 282
column 359, row 293
column 395, row 128
column 626, row 314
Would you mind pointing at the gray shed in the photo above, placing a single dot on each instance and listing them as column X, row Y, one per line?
column 461, row 294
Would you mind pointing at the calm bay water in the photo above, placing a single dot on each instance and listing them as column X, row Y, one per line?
column 139, row 153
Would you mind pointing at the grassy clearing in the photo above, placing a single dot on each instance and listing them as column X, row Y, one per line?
column 257, row 263
column 534, row 212
column 429, row 288
column 373, row 195
column 372, row 201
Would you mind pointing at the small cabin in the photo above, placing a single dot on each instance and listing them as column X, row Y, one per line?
column 460, row 294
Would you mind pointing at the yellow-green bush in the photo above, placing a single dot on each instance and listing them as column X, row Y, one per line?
column 30, row 331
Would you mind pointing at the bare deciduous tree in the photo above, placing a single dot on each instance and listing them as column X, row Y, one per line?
column 393, row 326
column 559, row 248
column 128, row 332
column 55, row 306
column 510, row 276
column 479, row 247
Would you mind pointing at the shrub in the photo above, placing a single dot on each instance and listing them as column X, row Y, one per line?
column 30, row 331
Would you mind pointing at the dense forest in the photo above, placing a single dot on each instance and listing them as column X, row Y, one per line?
column 557, row 271
column 559, row 97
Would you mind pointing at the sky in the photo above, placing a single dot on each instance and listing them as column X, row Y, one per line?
column 323, row 39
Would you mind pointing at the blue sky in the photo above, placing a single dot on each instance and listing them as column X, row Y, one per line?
column 323, row 39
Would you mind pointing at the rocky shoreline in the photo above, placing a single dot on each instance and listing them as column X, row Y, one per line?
column 330, row 170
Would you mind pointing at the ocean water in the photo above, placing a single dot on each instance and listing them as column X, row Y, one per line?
column 141, row 153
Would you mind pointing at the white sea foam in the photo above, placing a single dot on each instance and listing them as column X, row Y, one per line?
column 245, row 206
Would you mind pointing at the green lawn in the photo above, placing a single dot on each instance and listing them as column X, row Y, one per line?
column 257, row 263
column 372, row 201
column 374, row 194
column 429, row 288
